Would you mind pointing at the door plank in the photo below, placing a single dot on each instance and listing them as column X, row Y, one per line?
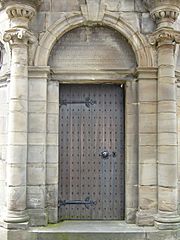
column 85, row 133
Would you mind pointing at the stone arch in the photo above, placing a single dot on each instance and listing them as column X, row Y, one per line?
column 143, row 51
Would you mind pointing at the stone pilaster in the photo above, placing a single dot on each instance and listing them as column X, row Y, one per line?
column 147, row 146
column 165, row 38
column 18, row 37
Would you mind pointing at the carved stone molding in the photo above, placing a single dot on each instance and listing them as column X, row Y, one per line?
column 19, row 36
column 18, row 10
column 152, row 4
column 93, row 11
column 20, row 14
column 165, row 12
column 164, row 36
column 165, row 15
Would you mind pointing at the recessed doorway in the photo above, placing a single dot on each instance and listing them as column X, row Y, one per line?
column 91, row 152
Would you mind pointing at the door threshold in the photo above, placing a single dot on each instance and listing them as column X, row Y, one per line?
column 89, row 226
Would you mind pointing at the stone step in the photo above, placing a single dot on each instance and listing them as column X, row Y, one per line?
column 99, row 230
column 91, row 236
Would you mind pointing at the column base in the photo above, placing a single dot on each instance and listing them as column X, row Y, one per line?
column 21, row 226
column 16, row 217
column 167, row 222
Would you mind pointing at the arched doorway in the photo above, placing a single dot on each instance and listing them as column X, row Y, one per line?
column 91, row 127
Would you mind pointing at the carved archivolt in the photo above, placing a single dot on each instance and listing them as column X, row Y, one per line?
column 142, row 49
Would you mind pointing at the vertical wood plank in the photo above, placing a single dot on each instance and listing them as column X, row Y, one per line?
column 86, row 132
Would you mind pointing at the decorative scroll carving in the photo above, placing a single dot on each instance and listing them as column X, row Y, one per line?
column 18, row 36
column 164, row 36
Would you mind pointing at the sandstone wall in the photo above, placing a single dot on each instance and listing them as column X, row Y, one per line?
column 3, row 141
column 94, row 48
column 132, row 10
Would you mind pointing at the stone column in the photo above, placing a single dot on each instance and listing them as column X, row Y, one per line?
column 165, row 38
column 18, row 37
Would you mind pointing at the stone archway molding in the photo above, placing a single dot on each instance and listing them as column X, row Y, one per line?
column 142, row 49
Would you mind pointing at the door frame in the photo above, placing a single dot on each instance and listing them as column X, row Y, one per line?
column 126, row 77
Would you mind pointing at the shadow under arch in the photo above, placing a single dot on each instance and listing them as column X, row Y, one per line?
column 142, row 49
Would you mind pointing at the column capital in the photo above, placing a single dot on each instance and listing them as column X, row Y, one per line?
column 164, row 36
column 164, row 13
column 20, row 14
column 19, row 36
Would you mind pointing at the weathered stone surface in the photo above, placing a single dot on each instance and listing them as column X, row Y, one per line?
column 147, row 154
column 147, row 123
column 167, row 154
column 147, row 139
column 147, row 174
column 148, row 199
column 52, row 195
column 37, row 90
column 36, row 174
column 131, row 197
column 53, row 92
column 36, row 154
column 37, row 138
column 168, row 175
column 167, row 199
column 147, row 90
column 147, row 25
column 87, row 41
column 52, row 154
column 147, row 107
column 52, row 173
column 35, row 197
column 37, row 217
column 37, row 106
column 52, row 123
column 37, row 123
column 131, row 173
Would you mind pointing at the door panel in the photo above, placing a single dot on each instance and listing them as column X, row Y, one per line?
column 91, row 121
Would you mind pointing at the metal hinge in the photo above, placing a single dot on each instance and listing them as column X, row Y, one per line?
column 87, row 202
column 88, row 102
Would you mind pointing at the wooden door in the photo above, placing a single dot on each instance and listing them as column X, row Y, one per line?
column 91, row 174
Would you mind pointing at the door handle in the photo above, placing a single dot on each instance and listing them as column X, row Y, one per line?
column 105, row 154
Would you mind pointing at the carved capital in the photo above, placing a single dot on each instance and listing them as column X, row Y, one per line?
column 163, row 12
column 19, row 36
column 152, row 4
column 20, row 14
column 164, row 36
column 165, row 15
column 20, row 11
